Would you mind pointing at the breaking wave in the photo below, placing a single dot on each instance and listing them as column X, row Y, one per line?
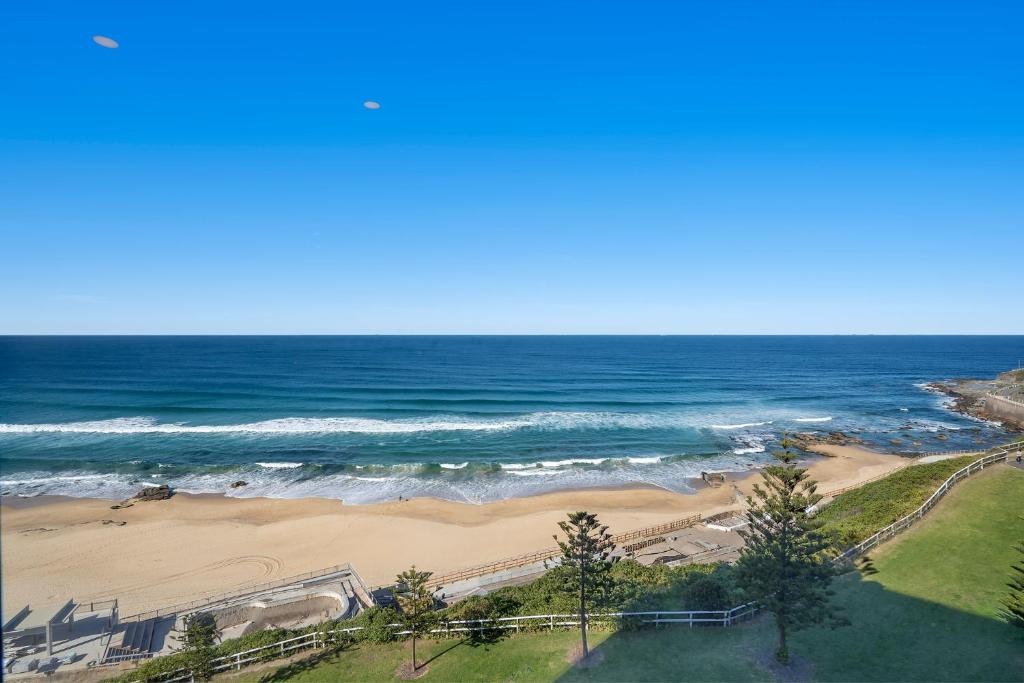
column 552, row 421
column 745, row 425
column 474, row 482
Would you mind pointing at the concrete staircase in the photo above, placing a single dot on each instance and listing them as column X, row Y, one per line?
column 134, row 639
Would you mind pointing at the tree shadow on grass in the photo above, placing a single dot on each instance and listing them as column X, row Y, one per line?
column 443, row 652
column 484, row 639
column 303, row 665
column 891, row 637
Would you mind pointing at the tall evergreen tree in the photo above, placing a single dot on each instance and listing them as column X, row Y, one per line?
column 1013, row 602
column 416, row 601
column 200, row 634
column 784, row 566
column 585, row 552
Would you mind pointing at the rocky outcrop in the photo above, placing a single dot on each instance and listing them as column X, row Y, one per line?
column 150, row 493
column 238, row 484
column 974, row 397
column 805, row 441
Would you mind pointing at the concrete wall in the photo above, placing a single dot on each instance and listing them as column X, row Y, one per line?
column 1000, row 408
column 315, row 608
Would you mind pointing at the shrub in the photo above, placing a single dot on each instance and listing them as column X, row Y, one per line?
column 707, row 592
column 375, row 622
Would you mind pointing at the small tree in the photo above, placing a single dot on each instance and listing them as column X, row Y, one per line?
column 585, row 553
column 200, row 634
column 784, row 566
column 1013, row 602
column 417, row 603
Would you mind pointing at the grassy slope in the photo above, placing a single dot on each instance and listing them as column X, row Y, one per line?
column 929, row 611
column 927, row 614
column 857, row 514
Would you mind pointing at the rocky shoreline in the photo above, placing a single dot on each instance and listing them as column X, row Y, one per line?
column 974, row 397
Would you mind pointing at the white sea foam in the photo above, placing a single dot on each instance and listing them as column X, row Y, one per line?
column 813, row 419
column 515, row 480
column 644, row 461
column 745, row 425
column 288, row 425
column 572, row 461
column 280, row 465
column 51, row 479
column 551, row 421
column 748, row 445
column 453, row 466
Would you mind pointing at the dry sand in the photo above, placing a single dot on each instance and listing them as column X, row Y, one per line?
column 180, row 549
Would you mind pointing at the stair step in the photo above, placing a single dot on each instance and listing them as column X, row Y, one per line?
column 127, row 635
column 146, row 643
column 137, row 636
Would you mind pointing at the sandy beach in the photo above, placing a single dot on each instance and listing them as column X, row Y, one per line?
column 180, row 549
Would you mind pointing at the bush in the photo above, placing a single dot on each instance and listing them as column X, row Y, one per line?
column 707, row 592
column 375, row 622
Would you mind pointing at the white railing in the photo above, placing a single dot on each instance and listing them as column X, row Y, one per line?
column 548, row 622
column 905, row 522
column 995, row 395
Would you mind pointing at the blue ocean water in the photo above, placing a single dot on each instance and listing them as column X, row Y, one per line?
column 465, row 418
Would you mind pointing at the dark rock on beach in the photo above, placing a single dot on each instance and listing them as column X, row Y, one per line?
column 238, row 484
column 161, row 492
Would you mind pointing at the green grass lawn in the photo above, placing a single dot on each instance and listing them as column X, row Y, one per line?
column 927, row 613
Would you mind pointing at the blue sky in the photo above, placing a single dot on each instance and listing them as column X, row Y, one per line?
column 677, row 167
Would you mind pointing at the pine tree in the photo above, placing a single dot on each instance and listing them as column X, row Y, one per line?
column 200, row 634
column 585, row 553
column 1013, row 602
column 783, row 566
column 416, row 600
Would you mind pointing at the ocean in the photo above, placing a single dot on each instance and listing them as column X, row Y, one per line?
column 371, row 418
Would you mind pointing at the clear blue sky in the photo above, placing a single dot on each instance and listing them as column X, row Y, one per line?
column 674, row 167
